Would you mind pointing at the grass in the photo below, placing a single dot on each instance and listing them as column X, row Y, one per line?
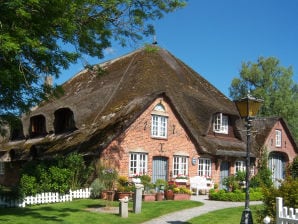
column 228, row 215
column 75, row 212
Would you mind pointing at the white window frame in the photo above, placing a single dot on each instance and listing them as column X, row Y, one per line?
column 2, row 168
column 159, row 126
column 278, row 138
column 138, row 163
column 180, row 166
column 204, row 167
column 221, row 123
column 240, row 166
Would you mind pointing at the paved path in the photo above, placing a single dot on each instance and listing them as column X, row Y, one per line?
column 186, row 214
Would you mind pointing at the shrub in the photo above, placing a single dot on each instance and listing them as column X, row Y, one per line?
column 97, row 186
column 237, row 195
column 57, row 175
column 181, row 190
column 288, row 191
column 294, row 168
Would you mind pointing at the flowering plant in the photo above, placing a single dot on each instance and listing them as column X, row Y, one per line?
column 109, row 176
column 181, row 176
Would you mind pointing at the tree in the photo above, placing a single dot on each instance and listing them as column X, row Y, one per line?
column 38, row 38
column 268, row 80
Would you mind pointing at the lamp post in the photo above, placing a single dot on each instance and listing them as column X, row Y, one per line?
column 248, row 108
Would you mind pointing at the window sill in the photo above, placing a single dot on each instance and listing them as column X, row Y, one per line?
column 159, row 138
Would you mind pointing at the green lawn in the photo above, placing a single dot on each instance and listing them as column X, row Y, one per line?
column 226, row 216
column 76, row 212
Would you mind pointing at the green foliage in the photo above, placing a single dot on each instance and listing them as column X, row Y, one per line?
column 182, row 190
column 28, row 185
column 233, row 182
column 288, row 191
column 123, row 185
column 109, row 176
column 97, row 186
column 237, row 195
column 146, row 181
column 294, row 168
column 263, row 178
column 39, row 38
column 58, row 175
column 268, row 80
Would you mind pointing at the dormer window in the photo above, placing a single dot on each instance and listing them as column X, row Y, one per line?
column 37, row 126
column 220, row 123
column 159, row 122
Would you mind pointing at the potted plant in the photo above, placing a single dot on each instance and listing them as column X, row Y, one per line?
column 124, row 188
column 169, row 193
column 181, row 193
column 149, row 195
column 108, row 177
column 161, row 185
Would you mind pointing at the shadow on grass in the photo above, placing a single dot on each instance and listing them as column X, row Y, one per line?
column 38, row 213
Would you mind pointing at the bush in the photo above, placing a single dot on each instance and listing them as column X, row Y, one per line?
column 288, row 191
column 57, row 175
column 237, row 195
column 97, row 186
column 294, row 168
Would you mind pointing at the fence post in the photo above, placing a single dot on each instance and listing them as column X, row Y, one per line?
column 279, row 205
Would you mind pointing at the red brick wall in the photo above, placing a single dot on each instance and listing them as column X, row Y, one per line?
column 137, row 138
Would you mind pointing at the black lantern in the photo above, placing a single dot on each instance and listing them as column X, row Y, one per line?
column 248, row 108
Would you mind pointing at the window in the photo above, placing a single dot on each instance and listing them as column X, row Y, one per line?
column 37, row 126
column 278, row 138
column 159, row 122
column 240, row 166
column 64, row 120
column 159, row 126
column 2, row 168
column 137, row 164
column 180, row 164
column 204, row 167
column 220, row 123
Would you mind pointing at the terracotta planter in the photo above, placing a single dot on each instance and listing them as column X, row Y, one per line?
column 121, row 195
column 159, row 196
column 149, row 197
column 180, row 197
column 108, row 195
column 169, row 195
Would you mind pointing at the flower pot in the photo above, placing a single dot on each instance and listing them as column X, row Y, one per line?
column 180, row 197
column 121, row 195
column 169, row 195
column 108, row 195
column 159, row 196
column 149, row 197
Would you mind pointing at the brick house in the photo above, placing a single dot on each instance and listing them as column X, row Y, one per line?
column 145, row 112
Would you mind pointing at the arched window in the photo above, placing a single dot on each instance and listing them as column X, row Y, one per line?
column 37, row 126
column 64, row 120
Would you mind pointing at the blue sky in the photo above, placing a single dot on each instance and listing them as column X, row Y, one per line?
column 214, row 37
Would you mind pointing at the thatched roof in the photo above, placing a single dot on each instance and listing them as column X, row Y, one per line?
column 263, row 127
column 105, row 105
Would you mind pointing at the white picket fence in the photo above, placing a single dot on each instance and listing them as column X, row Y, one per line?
column 285, row 215
column 45, row 198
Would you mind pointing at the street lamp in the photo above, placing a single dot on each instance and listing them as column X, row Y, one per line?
column 248, row 107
